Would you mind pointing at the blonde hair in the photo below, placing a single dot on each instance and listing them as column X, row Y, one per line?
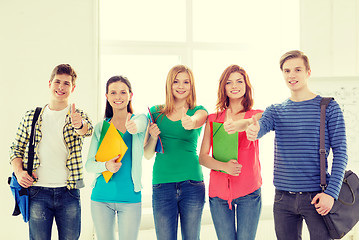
column 294, row 54
column 168, row 107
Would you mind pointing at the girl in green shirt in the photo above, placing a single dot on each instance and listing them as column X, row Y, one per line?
column 178, row 188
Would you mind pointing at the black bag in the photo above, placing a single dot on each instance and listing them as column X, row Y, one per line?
column 21, row 194
column 345, row 212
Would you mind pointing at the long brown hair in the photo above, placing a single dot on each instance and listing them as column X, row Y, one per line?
column 109, row 110
column 223, row 100
column 168, row 107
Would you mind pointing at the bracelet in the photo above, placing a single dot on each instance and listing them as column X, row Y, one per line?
column 82, row 125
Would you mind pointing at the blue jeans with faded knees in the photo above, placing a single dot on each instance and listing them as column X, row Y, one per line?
column 104, row 218
column 247, row 209
column 181, row 199
column 289, row 211
column 61, row 204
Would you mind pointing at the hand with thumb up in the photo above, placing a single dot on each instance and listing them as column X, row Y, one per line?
column 253, row 129
column 131, row 126
column 188, row 122
column 112, row 165
column 76, row 118
column 229, row 125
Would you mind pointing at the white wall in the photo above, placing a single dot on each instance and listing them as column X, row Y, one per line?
column 330, row 36
column 35, row 37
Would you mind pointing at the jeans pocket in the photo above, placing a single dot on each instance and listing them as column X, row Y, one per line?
column 196, row 183
column 33, row 191
column 278, row 196
column 75, row 193
column 156, row 186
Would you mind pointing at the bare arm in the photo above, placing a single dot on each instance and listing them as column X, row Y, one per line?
column 240, row 125
column 231, row 167
column 151, row 140
column 195, row 121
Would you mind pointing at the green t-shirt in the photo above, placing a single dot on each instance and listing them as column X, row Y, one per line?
column 179, row 162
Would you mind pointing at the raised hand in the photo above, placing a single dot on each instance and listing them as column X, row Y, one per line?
column 130, row 124
column 253, row 129
column 76, row 118
column 188, row 122
column 112, row 165
column 229, row 125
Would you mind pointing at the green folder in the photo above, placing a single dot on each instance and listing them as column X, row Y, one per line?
column 225, row 146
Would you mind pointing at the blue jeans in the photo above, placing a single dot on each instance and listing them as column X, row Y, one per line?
column 173, row 200
column 247, row 209
column 289, row 211
column 104, row 218
column 61, row 204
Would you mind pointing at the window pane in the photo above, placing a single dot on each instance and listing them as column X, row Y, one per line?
column 235, row 21
column 143, row 20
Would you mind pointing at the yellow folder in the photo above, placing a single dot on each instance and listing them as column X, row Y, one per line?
column 111, row 146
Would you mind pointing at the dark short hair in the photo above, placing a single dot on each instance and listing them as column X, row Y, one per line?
column 64, row 69
column 294, row 54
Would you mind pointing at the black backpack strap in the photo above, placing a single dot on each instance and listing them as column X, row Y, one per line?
column 323, row 106
column 32, row 142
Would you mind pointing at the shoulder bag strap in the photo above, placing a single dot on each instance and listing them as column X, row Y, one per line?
column 323, row 106
column 32, row 142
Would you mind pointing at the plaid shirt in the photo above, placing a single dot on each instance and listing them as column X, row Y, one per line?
column 73, row 141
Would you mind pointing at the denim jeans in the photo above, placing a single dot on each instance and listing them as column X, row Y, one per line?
column 104, row 218
column 61, row 204
column 289, row 211
column 172, row 200
column 247, row 209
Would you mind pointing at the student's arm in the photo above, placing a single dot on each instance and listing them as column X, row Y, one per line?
column 263, row 124
column 17, row 150
column 323, row 202
column 240, row 125
column 231, row 167
column 195, row 121
column 91, row 164
column 151, row 140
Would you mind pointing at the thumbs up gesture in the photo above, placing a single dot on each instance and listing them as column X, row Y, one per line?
column 229, row 125
column 130, row 124
column 112, row 165
column 76, row 118
column 187, row 122
column 253, row 129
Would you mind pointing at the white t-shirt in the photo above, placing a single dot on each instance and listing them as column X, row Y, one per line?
column 53, row 152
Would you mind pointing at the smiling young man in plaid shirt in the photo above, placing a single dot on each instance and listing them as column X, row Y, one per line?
column 58, row 172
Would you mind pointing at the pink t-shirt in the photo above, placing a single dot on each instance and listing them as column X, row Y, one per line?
column 230, row 187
